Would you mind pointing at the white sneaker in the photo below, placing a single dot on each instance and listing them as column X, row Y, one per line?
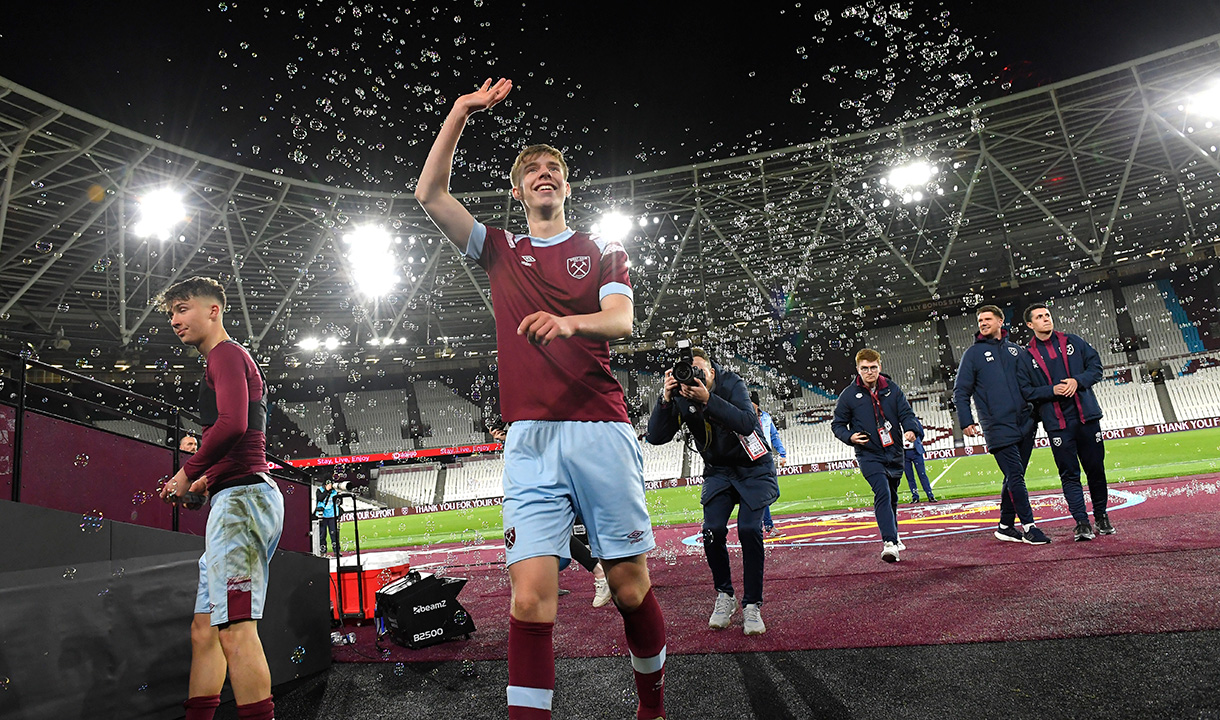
column 722, row 613
column 752, row 622
column 901, row 546
column 889, row 552
column 601, row 592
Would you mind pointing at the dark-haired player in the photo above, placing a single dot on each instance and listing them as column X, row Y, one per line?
column 1067, row 369
column 559, row 296
column 247, row 510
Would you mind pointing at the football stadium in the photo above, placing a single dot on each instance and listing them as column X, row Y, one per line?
column 392, row 409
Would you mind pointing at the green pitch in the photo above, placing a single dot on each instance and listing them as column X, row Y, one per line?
column 1127, row 460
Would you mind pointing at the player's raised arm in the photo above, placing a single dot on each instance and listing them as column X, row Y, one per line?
column 432, row 189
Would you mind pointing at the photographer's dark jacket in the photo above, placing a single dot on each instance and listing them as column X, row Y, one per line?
column 1062, row 356
column 857, row 411
column 989, row 371
column 716, row 430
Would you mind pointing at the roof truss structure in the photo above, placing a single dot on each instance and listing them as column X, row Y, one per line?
column 1080, row 176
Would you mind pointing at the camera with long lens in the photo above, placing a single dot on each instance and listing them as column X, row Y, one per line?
column 685, row 371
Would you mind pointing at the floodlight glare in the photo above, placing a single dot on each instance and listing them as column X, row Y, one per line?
column 331, row 343
column 916, row 174
column 1206, row 103
column 372, row 261
column 309, row 344
column 614, row 226
column 160, row 211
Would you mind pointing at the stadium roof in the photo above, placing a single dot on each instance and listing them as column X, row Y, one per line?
column 1060, row 184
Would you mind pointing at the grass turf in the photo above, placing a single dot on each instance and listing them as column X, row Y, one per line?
column 1127, row 460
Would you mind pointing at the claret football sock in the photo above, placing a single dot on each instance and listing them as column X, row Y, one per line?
column 531, row 669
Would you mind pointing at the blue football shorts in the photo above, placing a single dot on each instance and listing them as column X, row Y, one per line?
column 244, row 526
column 556, row 470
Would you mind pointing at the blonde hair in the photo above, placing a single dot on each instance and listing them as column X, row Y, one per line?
column 528, row 153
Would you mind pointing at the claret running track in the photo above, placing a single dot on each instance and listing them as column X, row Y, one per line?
column 964, row 626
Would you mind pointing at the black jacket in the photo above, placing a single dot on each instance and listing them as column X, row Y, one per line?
column 717, row 430
column 856, row 413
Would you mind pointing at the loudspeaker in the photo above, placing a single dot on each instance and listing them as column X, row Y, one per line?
column 422, row 609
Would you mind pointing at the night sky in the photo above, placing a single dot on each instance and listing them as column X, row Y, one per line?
column 351, row 94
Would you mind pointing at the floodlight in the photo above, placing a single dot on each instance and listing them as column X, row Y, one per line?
column 614, row 226
column 1206, row 103
column 160, row 211
column 916, row 174
column 371, row 259
column 309, row 344
column 331, row 343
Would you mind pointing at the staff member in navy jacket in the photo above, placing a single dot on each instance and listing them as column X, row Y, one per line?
column 869, row 416
column 737, row 470
column 912, row 463
column 989, row 373
column 1067, row 368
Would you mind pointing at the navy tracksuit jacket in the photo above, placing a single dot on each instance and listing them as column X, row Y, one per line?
column 1072, row 424
column 715, row 430
column 989, row 371
column 856, row 413
column 730, row 477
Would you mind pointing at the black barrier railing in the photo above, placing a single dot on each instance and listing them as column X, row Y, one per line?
column 71, row 406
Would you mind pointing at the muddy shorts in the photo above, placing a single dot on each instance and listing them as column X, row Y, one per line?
column 244, row 526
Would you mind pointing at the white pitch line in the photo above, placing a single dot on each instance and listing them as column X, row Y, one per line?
column 942, row 474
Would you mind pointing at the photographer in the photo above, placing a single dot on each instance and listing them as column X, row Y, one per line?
column 326, row 511
column 738, row 470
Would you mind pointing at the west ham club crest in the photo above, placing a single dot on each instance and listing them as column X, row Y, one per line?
column 578, row 266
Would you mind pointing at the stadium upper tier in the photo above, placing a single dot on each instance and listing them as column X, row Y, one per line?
column 1111, row 171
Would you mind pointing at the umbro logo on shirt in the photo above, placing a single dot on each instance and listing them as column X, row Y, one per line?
column 528, row 260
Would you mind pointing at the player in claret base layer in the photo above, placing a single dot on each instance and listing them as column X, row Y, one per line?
column 247, row 510
column 559, row 296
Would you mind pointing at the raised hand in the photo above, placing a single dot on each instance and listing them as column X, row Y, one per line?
column 487, row 96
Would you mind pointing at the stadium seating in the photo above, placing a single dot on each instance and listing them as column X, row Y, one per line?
column 1093, row 317
column 1196, row 395
column 662, row 462
column 475, row 478
column 1146, row 305
column 451, row 416
column 908, row 353
column 135, row 429
column 377, row 417
column 315, row 418
column 407, row 485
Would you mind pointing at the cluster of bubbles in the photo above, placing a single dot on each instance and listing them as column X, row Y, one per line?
column 92, row 521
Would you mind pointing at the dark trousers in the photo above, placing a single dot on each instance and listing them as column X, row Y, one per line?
column 328, row 525
column 884, row 481
column 749, row 533
column 911, row 465
column 1079, row 444
column 1014, row 497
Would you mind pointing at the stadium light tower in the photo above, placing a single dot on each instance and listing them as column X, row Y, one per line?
column 613, row 226
column 909, row 181
column 371, row 260
column 1205, row 103
column 160, row 211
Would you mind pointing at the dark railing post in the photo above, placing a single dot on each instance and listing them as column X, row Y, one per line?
column 177, row 445
column 19, row 428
